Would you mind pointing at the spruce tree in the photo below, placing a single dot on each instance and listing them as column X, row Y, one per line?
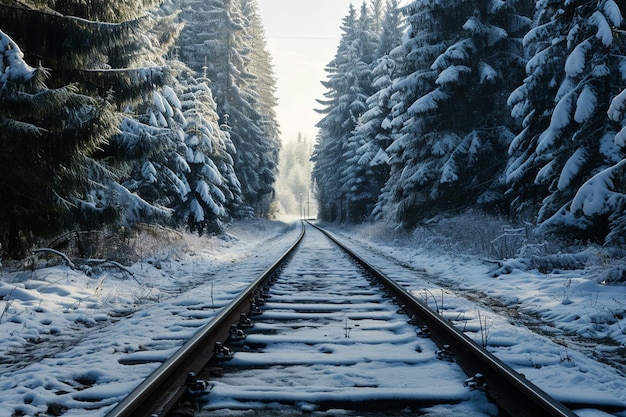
column 46, row 136
column 575, row 70
column 448, row 108
column 226, row 44
column 371, row 157
column 339, row 120
column 118, row 61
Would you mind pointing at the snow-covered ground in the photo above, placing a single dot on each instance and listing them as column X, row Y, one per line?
column 74, row 344
column 333, row 341
column 552, row 327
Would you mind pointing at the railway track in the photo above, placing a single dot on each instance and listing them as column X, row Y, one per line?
column 330, row 332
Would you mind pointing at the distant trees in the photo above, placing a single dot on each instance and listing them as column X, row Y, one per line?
column 112, row 128
column 293, row 189
column 484, row 104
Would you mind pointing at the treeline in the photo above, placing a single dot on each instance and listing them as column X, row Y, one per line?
column 114, row 112
column 513, row 107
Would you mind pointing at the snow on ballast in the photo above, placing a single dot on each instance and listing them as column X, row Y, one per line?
column 329, row 339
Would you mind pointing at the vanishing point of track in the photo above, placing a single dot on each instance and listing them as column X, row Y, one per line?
column 366, row 318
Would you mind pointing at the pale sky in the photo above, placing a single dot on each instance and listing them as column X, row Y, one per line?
column 302, row 37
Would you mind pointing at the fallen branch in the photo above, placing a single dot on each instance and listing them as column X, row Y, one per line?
column 104, row 262
column 56, row 252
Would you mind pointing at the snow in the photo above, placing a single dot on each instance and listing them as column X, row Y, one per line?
column 68, row 339
column 617, row 107
column 605, row 34
column 572, row 168
column 597, row 195
column 570, row 304
column 575, row 63
column 12, row 65
column 585, row 105
column 612, row 12
column 561, row 117
column 452, row 75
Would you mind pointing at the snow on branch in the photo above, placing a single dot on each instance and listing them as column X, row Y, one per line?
column 572, row 167
column 67, row 260
column 617, row 107
column 12, row 64
column 585, row 105
column 612, row 13
column 427, row 102
column 575, row 63
column 561, row 117
column 597, row 195
column 605, row 34
column 452, row 75
column 101, row 263
column 492, row 34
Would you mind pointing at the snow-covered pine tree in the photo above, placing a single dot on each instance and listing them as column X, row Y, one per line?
column 575, row 70
column 264, row 84
column 221, row 44
column 448, row 108
column 578, row 155
column 122, row 56
column 215, row 191
column 46, row 138
column 358, row 181
column 371, row 157
column 533, row 103
column 337, row 123
column 339, row 187
column 119, row 60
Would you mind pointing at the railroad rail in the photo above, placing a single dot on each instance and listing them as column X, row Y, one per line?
column 162, row 391
column 158, row 394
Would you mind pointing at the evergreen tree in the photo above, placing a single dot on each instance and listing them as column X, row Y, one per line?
column 46, row 138
column 214, row 187
column 117, row 62
column 228, row 47
column 574, row 70
column 371, row 157
column 353, row 183
column 448, row 108
column 264, row 83
column 349, row 86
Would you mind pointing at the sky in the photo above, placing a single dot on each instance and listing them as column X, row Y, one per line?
column 302, row 37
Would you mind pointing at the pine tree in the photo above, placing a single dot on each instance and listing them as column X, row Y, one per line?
column 228, row 46
column 371, row 157
column 574, row 71
column 341, row 191
column 358, row 192
column 214, row 188
column 118, row 61
column 47, row 136
column 264, row 84
column 580, row 137
column 448, row 108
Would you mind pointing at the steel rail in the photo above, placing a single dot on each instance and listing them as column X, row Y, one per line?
column 517, row 396
column 158, row 394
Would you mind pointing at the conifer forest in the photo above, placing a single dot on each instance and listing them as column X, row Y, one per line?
column 115, row 113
